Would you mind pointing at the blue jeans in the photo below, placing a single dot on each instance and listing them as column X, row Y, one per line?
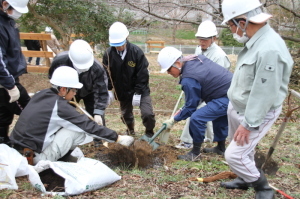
column 37, row 60
column 215, row 111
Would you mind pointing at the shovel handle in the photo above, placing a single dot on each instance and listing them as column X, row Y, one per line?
column 157, row 133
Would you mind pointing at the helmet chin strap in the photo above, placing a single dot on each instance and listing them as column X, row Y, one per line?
column 238, row 24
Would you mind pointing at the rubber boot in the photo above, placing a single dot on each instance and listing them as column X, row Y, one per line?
column 194, row 154
column 262, row 188
column 219, row 149
column 4, row 139
column 130, row 129
column 68, row 157
column 237, row 183
column 149, row 133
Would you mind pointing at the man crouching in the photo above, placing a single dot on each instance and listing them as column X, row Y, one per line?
column 52, row 128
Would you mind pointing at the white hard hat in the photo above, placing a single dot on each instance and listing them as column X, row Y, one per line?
column 234, row 8
column 19, row 5
column 118, row 33
column 167, row 57
column 48, row 29
column 66, row 76
column 206, row 29
column 81, row 54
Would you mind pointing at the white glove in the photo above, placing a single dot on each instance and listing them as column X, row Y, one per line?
column 98, row 119
column 125, row 140
column 136, row 100
column 111, row 97
column 169, row 123
column 14, row 94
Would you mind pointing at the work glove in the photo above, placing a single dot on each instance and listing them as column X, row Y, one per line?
column 14, row 94
column 98, row 119
column 169, row 123
column 111, row 97
column 125, row 140
column 136, row 100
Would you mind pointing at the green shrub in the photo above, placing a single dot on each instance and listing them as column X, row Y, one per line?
column 185, row 34
column 227, row 39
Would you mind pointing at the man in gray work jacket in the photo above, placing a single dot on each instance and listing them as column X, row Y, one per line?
column 258, row 89
column 52, row 128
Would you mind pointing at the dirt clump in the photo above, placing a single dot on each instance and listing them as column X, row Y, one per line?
column 270, row 168
column 52, row 181
column 139, row 155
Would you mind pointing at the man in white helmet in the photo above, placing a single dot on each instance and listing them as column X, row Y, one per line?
column 13, row 96
column 53, row 44
column 92, row 75
column 52, row 128
column 258, row 89
column 127, row 67
column 200, row 79
column 207, row 32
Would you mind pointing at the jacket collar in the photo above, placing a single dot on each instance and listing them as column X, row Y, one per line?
column 257, row 35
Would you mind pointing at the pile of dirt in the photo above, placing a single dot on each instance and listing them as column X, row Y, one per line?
column 139, row 155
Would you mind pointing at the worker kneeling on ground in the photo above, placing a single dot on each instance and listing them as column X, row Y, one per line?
column 201, row 79
column 52, row 128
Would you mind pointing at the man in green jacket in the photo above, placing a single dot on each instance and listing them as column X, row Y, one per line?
column 258, row 89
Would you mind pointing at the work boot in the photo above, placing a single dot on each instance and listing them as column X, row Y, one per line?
column 4, row 139
column 237, row 183
column 219, row 149
column 130, row 129
column 149, row 133
column 262, row 188
column 193, row 155
column 68, row 157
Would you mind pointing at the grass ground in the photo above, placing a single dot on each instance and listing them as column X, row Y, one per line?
column 171, row 180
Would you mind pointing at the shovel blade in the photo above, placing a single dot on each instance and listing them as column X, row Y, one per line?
column 147, row 139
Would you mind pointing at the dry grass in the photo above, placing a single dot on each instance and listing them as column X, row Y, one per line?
column 171, row 179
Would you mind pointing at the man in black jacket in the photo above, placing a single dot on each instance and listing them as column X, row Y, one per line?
column 52, row 128
column 33, row 45
column 13, row 96
column 127, row 68
column 91, row 74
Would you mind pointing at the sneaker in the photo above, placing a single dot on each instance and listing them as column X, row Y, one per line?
column 184, row 145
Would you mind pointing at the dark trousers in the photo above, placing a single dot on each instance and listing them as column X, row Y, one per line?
column 37, row 60
column 89, row 105
column 146, row 108
column 215, row 111
column 7, row 110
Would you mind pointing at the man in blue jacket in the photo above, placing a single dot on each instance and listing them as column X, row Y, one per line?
column 13, row 96
column 201, row 79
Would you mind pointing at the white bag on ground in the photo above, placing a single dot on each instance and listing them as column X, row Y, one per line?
column 85, row 175
column 13, row 164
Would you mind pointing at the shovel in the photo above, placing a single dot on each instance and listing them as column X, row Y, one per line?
column 151, row 140
column 283, row 124
column 164, row 137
